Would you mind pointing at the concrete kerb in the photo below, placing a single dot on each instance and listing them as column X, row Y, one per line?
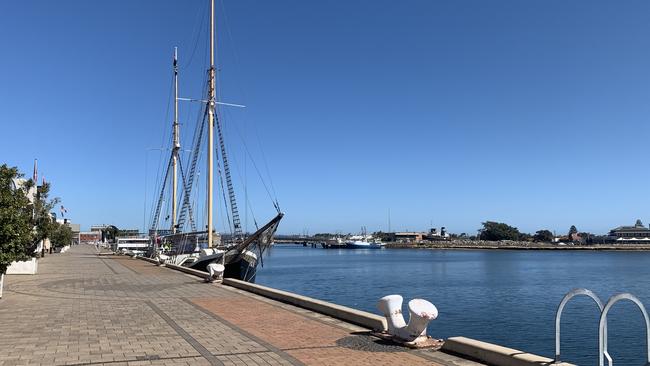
column 150, row 260
column 493, row 354
column 177, row 268
column 354, row 316
column 191, row 271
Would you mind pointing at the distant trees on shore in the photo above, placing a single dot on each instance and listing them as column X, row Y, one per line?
column 495, row 231
column 545, row 236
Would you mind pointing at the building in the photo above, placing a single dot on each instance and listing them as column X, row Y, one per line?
column 417, row 236
column 99, row 228
column 630, row 234
column 128, row 233
column 90, row 236
column 435, row 235
column 19, row 183
column 408, row 236
column 404, row 237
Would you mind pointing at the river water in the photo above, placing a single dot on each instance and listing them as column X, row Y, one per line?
column 499, row 296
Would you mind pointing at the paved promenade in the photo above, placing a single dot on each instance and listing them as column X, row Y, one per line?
column 82, row 309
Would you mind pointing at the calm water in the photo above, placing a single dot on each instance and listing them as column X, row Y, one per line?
column 505, row 297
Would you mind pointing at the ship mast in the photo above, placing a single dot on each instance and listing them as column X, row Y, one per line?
column 177, row 145
column 211, row 104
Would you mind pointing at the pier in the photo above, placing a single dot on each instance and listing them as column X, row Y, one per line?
column 88, row 309
column 85, row 309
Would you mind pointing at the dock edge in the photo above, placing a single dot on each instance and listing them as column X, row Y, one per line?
column 494, row 354
column 354, row 316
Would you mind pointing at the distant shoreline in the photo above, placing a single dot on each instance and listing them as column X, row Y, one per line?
column 484, row 245
column 500, row 245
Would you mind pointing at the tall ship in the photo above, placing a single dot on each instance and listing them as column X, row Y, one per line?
column 176, row 238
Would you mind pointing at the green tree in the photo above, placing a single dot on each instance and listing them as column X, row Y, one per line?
column 61, row 236
column 545, row 236
column 525, row 237
column 572, row 230
column 15, row 219
column 495, row 231
column 42, row 220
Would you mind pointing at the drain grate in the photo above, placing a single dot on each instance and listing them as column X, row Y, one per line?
column 363, row 342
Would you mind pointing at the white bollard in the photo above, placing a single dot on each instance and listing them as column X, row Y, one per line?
column 216, row 271
column 162, row 259
column 421, row 313
column 391, row 307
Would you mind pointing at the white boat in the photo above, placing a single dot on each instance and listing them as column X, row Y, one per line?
column 363, row 242
column 131, row 245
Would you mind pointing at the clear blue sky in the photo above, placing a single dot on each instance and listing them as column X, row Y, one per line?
column 534, row 113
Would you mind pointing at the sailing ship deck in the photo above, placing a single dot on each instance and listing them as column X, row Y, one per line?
column 84, row 309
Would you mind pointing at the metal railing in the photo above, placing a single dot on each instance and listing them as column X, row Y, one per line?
column 558, row 315
column 602, row 327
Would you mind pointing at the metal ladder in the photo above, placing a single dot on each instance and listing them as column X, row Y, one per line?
column 602, row 328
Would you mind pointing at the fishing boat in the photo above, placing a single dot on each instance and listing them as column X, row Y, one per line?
column 179, row 242
column 333, row 243
column 363, row 241
column 363, row 244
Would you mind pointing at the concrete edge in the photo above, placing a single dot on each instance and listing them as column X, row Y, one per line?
column 150, row 260
column 354, row 316
column 494, row 354
column 191, row 271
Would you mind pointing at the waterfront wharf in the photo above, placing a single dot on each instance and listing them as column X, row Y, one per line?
column 86, row 309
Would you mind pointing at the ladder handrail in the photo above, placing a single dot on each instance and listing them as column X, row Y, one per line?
column 602, row 326
column 558, row 315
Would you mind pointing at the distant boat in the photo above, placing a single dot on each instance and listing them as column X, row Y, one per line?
column 358, row 244
column 333, row 243
column 363, row 242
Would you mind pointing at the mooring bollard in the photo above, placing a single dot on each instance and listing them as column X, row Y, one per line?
column 421, row 312
column 215, row 271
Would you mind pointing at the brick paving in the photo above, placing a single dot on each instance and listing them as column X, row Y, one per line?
column 84, row 309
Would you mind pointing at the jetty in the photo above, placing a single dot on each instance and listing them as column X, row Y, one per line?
column 83, row 308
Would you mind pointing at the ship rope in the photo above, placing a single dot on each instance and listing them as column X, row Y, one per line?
column 160, row 184
column 269, row 187
column 156, row 215
column 199, row 131
column 225, row 202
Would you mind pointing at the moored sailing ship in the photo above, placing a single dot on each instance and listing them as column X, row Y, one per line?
column 238, row 252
